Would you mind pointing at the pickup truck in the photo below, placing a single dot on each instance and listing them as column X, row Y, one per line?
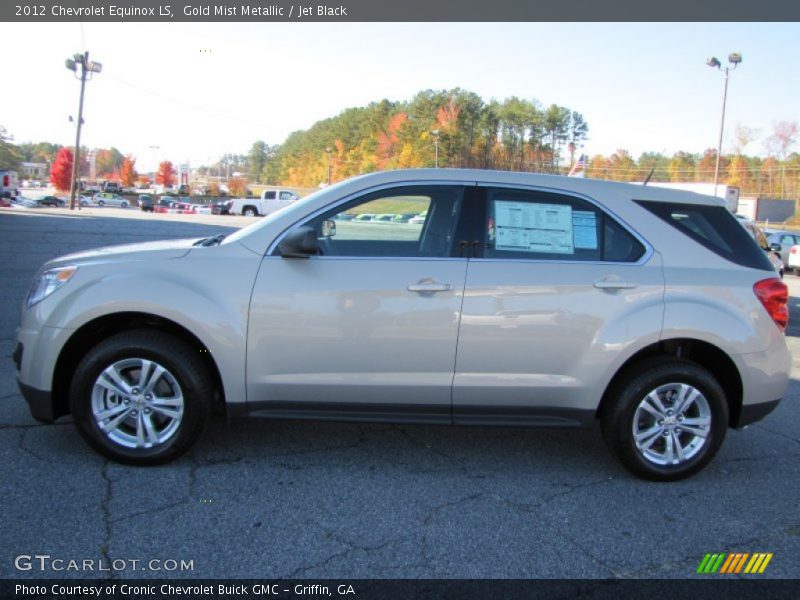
column 269, row 202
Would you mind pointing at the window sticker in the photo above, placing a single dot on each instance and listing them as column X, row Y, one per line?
column 527, row 227
column 584, row 228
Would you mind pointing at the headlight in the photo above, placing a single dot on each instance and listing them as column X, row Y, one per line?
column 48, row 282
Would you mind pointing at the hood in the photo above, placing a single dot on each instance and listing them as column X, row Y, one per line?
column 129, row 252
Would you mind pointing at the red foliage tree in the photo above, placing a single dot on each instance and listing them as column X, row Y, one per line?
column 127, row 172
column 237, row 186
column 61, row 171
column 166, row 174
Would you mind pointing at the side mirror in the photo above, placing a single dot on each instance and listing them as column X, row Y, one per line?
column 300, row 242
column 776, row 247
column 328, row 228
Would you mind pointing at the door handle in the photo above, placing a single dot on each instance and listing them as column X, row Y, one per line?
column 427, row 287
column 614, row 284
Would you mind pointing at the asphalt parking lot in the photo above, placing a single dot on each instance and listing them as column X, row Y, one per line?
column 322, row 500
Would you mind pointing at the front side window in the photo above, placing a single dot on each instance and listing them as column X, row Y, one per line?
column 546, row 226
column 286, row 196
column 401, row 222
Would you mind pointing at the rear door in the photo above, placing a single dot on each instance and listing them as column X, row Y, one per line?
column 556, row 290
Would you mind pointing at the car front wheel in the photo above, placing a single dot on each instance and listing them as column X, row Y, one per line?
column 123, row 205
column 100, row 203
column 141, row 397
column 667, row 419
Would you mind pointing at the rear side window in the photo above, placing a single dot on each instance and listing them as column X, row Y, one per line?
column 713, row 227
column 537, row 225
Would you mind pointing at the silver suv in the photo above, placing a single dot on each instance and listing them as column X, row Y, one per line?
column 516, row 299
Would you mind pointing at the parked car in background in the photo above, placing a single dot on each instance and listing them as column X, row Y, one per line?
column 221, row 207
column 649, row 310
column 49, row 201
column 111, row 187
column 760, row 239
column 782, row 242
column 145, row 202
column 110, row 199
column 794, row 259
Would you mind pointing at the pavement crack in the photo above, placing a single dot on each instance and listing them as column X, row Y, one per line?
column 182, row 501
column 778, row 433
column 24, row 448
column 105, row 511
column 430, row 517
column 417, row 442
column 32, row 425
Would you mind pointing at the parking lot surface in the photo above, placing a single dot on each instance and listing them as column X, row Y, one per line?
column 316, row 500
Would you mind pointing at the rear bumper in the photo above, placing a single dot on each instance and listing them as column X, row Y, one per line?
column 755, row 412
column 39, row 402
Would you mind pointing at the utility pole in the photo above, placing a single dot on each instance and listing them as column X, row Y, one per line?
column 86, row 69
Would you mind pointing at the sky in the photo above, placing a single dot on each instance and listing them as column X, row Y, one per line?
column 190, row 92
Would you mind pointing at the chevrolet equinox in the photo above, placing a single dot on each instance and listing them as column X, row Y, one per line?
column 508, row 299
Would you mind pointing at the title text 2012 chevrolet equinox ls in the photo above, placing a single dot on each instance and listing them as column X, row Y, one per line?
column 511, row 299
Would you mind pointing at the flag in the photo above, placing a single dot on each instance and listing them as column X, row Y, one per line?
column 579, row 168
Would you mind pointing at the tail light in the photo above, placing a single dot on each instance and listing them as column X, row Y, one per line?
column 774, row 295
column 793, row 250
column 6, row 181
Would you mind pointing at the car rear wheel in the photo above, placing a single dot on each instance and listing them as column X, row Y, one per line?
column 667, row 419
column 100, row 203
column 123, row 204
column 249, row 211
column 141, row 397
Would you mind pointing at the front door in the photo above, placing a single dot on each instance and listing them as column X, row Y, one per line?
column 368, row 328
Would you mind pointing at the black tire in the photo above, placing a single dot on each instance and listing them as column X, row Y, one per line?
column 633, row 388
column 100, row 203
column 182, row 363
column 250, row 211
column 123, row 205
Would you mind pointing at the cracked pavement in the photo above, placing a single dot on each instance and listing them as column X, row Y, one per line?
column 335, row 500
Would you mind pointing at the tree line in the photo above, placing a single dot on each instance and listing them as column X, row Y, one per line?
column 457, row 128
column 451, row 128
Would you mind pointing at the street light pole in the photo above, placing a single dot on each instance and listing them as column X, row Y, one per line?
column 435, row 134
column 87, row 68
column 328, row 152
column 734, row 59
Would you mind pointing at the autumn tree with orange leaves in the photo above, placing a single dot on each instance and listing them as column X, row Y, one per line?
column 166, row 174
column 61, row 171
column 237, row 186
column 127, row 172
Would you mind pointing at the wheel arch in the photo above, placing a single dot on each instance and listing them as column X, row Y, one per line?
column 92, row 332
column 712, row 358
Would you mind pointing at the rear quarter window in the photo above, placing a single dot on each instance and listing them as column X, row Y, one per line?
column 713, row 227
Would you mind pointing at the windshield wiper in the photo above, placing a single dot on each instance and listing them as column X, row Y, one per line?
column 214, row 240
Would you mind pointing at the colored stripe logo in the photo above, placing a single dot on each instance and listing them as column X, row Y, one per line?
column 734, row 563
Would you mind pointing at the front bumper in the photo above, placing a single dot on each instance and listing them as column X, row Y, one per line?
column 39, row 401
